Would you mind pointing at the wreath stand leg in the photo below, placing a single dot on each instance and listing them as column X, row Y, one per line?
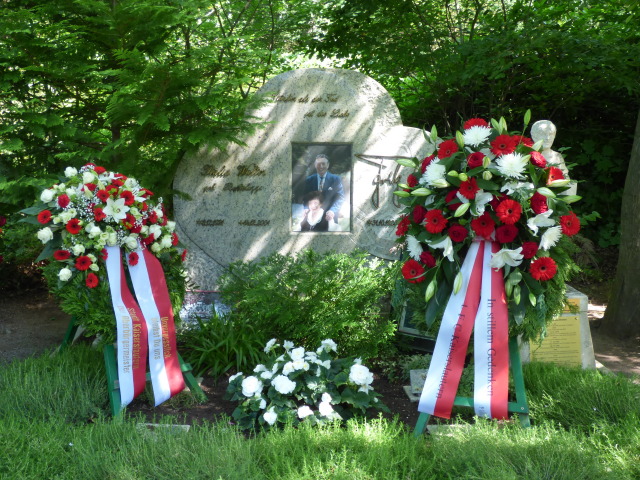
column 520, row 406
column 111, row 367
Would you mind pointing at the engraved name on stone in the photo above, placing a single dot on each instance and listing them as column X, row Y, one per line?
column 210, row 222
column 382, row 223
column 254, row 223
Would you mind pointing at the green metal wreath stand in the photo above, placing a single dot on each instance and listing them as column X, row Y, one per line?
column 111, row 367
column 520, row 406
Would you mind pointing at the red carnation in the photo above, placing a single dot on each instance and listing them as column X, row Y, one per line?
column 121, row 176
column 554, row 174
column 44, row 216
column 539, row 203
column 183, row 255
column 128, row 221
column 102, row 195
column 543, row 269
column 450, row 196
column 104, row 254
column 427, row 259
column 63, row 200
column 92, row 280
column 435, row 221
column 145, row 207
column 117, row 182
column 73, row 226
column 412, row 181
column 538, row 159
column 457, row 233
column 111, row 188
column 403, row 226
column 83, row 263
column 475, row 159
column 509, row 211
column 99, row 170
column 412, row 271
column 483, row 226
column 153, row 216
column 174, row 239
column 91, row 186
column 469, row 188
column 506, row 233
column 504, row 145
column 529, row 249
column 61, row 255
column 164, row 221
column 570, row 224
column 418, row 213
column 133, row 259
column 447, row 148
column 474, row 122
column 135, row 228
column 426, row 161
column 128, row 197
column 149, row 240
column 98, row 214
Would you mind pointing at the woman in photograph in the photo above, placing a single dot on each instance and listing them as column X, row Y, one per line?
column 314, row 219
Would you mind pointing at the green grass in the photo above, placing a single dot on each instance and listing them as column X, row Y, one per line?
column 53, row 424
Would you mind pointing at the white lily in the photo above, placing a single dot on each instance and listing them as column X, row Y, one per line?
column 510, row 187
column 550, row 237
column 481, row 200
column 506, row 257
column 540, row 220
column 447, row 247
column 116, row 209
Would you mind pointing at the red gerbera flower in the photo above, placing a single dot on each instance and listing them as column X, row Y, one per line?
column 98, row 214
column 483, row 226
column 133, row 259
column 450, row 196
column 475, row 122
column 503, row 145
column 412, row 271
column 129, row 199
column 174, row 239
column 506, row 233
column 44, row 216
column 435, row 221
column 418, row 213
column 538, row 159
column 427, row 259
column 99, row 170
column 543, row 269
column 529, row 249
column 457, row 233
column 149, row 240
column 403, row 226
column 91, row 186
column 570, row 224
column 475, row 159
column 539, row 203
column 526, row 141
column 73, row 226
column 92, row 280
column 509, row 211
column 102, row 195
column 554, row 174
column 469, row 188
column 61, row 255
column 426, row 161
column 63, row 200
column 183, row 255
column 447, row 148
column 412, row 181
column 83, row 263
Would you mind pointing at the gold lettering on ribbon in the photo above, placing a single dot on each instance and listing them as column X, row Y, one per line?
column 165, row 338
column 137, row 327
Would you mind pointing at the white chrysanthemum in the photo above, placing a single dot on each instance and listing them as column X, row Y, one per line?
column 283, row 385
column 251, row 385
column 325, row 409
column 45, row 234
column 434, row 173
column 506, row 257
column 70, row 172
column 328, row 345
column 297, row 353
column 540, row 220
column 64, row 274
column 476, row 135
column 270, row 344
column 47, row 195
column 550, row 237
column 447, row 247
column 116, row 209
column 270, row 416
column 304, row 411
column 512, row 165
column 413, row 247
column 288, row 345
column 233, row 377
column 360, row 375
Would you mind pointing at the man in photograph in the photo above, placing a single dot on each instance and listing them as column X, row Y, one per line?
column 329, row 184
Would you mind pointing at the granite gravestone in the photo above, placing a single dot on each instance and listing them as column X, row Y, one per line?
column 250, row 201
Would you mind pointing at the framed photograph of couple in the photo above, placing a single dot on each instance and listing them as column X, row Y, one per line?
column 321, row 187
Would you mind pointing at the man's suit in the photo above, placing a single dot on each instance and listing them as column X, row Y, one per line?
column 332, row 191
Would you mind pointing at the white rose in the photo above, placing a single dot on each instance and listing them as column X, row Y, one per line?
column 64, row 274
column 283, row 385
column 166, row 241
column 250, row 386
column 67, row 215
column 47, row 195
column 88, row 177
column 145, row 230
column 159, row 212
column 297, row 353
column 155, row 230
column 77, row 249
column 94, row 267
column 360, row 375
column 131, row 183
column 60, row 187
column 131, row 242
column 112, row 239
column 156, row 247
column 70, row 172
column 45, row 234
column 270, row 416
column 70, row 191
column 171, row 225
column 304, row 411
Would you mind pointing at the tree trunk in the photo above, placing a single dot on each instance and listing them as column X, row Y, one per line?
column 622, row 318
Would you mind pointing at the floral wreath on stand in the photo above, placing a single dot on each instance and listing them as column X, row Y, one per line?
column 90, row 209
column 490, row 184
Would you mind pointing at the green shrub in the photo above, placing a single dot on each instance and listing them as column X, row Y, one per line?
column 311, row 297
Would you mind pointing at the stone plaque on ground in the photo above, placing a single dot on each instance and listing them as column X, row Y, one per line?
column 318, row 174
